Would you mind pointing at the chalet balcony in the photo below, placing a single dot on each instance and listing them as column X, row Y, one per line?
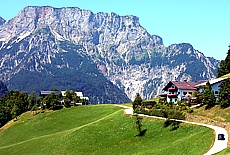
column 172, row 95
column 162, row 95
column 172, row 89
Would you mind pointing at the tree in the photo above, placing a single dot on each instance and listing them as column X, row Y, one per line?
column 50, row 101
column 224, row 67
column 208, row 96
column 34, row 109
column 15, row 111
column 196, row 94
column 224, row 97
column 32, row 100
column 69, row 95
column 137, row 102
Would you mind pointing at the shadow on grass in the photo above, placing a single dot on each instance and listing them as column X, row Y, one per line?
column 173, row 123
column 142, row 133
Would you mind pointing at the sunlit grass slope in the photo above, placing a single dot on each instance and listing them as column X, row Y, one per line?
column 101, row 129
column 215, row 113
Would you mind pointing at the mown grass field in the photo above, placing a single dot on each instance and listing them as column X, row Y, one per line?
column 100, row 129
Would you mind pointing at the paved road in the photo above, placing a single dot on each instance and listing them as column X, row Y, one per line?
column 218, row 145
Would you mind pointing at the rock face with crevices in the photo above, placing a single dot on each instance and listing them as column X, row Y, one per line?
column 52, row 47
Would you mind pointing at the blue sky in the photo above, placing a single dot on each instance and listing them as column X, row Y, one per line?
column 203, row 23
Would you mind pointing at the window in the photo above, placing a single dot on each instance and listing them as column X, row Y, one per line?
column 190, row 93
column 178, row 92
column 216, row 92
column 185, row 93
column 170, row 100
column 175, row 100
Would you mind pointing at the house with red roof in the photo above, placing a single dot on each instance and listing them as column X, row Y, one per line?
column 175, row 90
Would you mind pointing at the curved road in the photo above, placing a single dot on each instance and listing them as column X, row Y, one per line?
column 218, row 145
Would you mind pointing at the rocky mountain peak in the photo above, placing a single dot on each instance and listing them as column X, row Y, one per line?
column 120, row 48
column 2, row 21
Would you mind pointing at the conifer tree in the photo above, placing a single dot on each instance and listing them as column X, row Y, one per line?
column 224, row 95
column 208, row 96
column 137, row 101
column 224, row 67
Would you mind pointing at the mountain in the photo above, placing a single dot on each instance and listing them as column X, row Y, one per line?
column 2, row 21
column 39, row 62
column 3, row 89
column 44, row 47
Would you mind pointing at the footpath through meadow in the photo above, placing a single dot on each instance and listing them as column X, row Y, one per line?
column 217, row 146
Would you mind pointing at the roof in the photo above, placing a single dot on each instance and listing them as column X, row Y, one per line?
column 49, row 92
column 183, row 85
column 84, row 98
column 226, row 76
column 213, row 81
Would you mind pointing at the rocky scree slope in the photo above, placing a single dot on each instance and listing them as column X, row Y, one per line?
column 122, row 50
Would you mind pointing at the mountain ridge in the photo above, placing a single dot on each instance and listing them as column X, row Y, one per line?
column 123, row 51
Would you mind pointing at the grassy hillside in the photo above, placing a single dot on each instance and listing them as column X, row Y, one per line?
column 215, row 113
column 99, row 130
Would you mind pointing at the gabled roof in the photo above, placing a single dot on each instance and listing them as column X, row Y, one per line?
column 183, row 85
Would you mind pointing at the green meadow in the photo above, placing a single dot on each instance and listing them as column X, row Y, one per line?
column 99, row 130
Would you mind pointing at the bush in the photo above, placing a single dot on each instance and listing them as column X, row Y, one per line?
column 57, row 107
column 190, row 110
column 149, row 104
column 179, row 102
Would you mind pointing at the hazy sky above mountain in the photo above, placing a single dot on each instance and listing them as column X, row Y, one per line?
column 203, row 23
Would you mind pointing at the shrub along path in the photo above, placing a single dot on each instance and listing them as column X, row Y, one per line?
column 218, row 127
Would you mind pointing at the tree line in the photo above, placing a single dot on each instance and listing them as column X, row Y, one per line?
column 14, row 103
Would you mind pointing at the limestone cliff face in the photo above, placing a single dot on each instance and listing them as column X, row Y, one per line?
column 2, row 21
column 122, row 50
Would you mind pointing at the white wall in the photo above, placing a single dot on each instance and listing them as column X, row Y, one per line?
column 215, row 88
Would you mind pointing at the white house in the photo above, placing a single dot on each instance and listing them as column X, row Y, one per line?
column 175, row 90
column 215, row 84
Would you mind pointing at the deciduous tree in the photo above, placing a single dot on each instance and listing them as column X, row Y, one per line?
column 15, row 111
